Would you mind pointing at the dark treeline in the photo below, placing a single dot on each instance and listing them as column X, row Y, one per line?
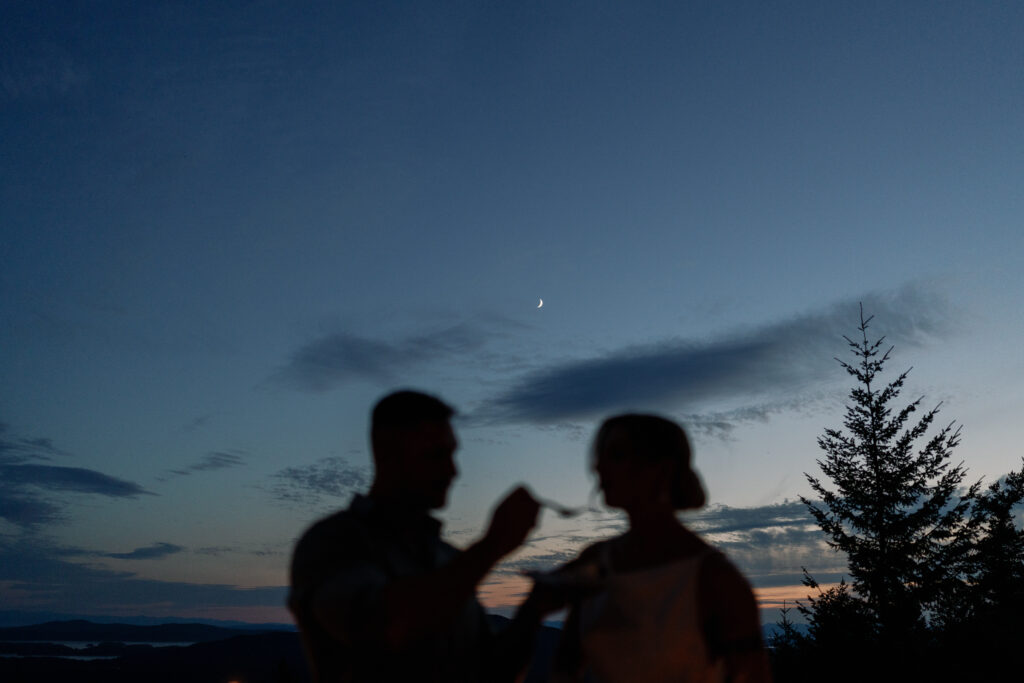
column 936, row 564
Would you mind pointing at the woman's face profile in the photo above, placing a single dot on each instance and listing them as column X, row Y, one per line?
column 627, row 480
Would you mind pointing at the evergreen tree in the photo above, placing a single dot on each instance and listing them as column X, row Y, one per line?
column 996, row 563
column 787, row 637
column 787, row 650
column 979, row 620
column 837, row 620
column 894, row 510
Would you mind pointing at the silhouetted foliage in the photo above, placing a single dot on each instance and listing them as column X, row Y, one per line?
column 839, row 622
column 995, row 566
column 836, row 618
column 786, row 646
column 937, row 569
column 787, row 637
column 894, row 511
column 982, row 614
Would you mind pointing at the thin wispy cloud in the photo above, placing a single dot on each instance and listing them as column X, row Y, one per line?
column 332, row 477
column 198, row 422
column 722, row 519
column 218, row 460
column 544, row 561
column 768, row 543
column 261, row 551
column 771, row 361
column 721, row 424
column 15, row 449
column 212, row 461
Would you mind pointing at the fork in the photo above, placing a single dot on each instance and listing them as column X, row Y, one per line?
column 562, row 510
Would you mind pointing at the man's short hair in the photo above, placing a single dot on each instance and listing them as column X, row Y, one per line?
column 403, row 410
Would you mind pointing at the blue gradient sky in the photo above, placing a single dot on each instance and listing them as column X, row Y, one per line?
column 227, row 228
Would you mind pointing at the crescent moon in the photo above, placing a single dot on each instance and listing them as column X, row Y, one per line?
column 541, row 303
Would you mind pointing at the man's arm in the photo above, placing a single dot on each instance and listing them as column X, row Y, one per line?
column 406, row 609
column 514, row 647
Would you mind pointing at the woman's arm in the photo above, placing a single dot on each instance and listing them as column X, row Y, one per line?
column 568, row 665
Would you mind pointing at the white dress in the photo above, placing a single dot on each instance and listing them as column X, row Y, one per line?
column 645, row 626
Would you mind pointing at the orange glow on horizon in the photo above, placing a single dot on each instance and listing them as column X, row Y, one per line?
column 504, row 591
column 773, row 597
column 510, row 591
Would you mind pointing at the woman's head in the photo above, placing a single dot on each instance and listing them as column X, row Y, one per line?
column 639, row 456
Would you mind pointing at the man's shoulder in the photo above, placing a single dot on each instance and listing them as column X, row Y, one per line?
column 329, row 546
column 336, row 538
column 339, row 526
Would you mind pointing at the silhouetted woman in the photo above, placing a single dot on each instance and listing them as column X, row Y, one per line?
column 661, row 604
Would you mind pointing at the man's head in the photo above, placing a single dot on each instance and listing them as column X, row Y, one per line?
column 413, row 449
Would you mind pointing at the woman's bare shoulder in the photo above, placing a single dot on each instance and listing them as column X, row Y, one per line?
column 727, row 601
column 592, row 553
column 732, row 624
column 719, row 575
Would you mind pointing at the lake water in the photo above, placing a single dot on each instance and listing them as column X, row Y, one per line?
column 77, row 645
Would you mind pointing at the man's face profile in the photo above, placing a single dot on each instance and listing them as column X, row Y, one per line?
column 426, row 455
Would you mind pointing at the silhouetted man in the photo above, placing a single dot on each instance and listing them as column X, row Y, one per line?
column 378, row 595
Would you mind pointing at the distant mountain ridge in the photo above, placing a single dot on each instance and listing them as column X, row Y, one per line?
column 82, row 630
column 9, row 618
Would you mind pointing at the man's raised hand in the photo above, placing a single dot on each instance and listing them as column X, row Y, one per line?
column 512, row 521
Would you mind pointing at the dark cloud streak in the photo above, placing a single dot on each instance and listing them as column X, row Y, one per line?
column 25, row 509
column 150, row 552
column 76, row 479
column 36, row 573
column 30, row 492
column 336, row 359
column 771, row 361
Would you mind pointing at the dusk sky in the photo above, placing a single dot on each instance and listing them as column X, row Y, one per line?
column 226, row 229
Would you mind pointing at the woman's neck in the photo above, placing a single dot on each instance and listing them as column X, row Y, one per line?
column 653, row 539
column 653, row 519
